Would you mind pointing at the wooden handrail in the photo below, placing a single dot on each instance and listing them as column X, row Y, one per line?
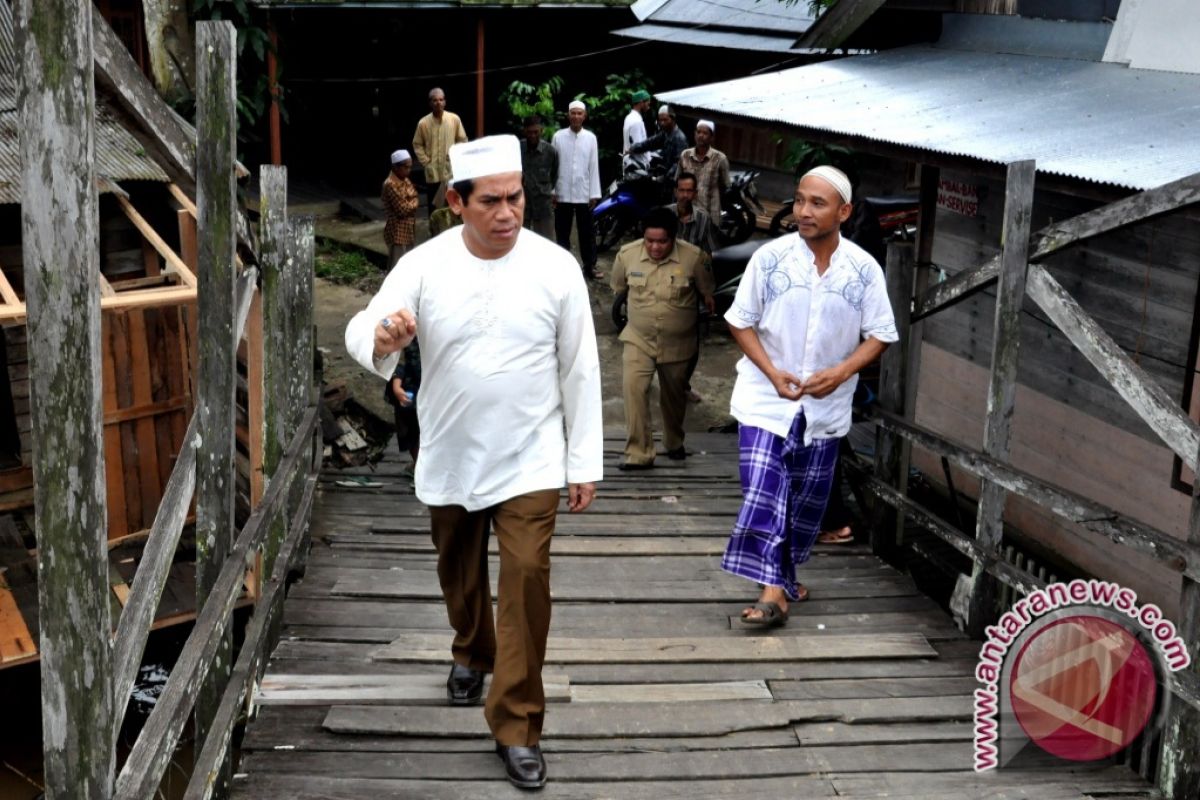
column 156, row 743
column 1164, row 548
column 138, row 614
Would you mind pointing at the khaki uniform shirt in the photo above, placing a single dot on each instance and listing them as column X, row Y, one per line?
column 663, row 298
column 432, row 141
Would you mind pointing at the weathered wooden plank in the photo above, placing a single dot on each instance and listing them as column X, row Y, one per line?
column 380, row 689
column 559, row 545
column 15, row 642
column 59, row 214
column 1178, row 555
column 1004, row 783
column 1163, row 414
column 898, row 686
column 216, row 406
column 153, row 750
column 273, row 241
column 1002, row 382
column 270, row 786
column 670, row 692
column 404, row 584
column 838, row 23
column 820, row 734
column 610, row 767
column 891, row 451
column 678, row 649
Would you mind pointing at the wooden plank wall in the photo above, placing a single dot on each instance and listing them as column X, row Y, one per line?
column 1069, row 427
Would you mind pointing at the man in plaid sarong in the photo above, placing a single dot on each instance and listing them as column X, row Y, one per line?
column 811, row 311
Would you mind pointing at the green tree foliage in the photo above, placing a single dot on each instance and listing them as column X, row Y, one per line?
column 607, row 107
column 800, row 156
column 253, row 46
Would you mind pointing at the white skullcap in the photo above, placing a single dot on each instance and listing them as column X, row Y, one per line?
column 665, row 109
column 490, row 155
column 401, row 155
column 834, row 177
column 576, row 104
column 708, row 123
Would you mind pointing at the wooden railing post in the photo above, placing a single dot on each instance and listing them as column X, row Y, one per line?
column 274, row 246
column 59, row 221
column 216, row 133
column 891, row 451
column 1179, row 760
column 1002, row 387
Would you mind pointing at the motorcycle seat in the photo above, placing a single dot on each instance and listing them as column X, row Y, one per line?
column 894, row 202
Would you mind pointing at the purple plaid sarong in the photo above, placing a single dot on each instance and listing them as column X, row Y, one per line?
column 785, row 487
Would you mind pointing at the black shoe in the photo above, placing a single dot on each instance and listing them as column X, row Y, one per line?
column 464, row 687
column 628, row 467
column 525, row 767
column 678, row 454
column 593, row 274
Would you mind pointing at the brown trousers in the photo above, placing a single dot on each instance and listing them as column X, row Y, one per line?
column 514, row 647
column 638, row 371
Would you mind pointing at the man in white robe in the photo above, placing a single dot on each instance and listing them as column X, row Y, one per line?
column 509, row 413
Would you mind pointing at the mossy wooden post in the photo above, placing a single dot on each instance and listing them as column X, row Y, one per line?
column 891, row 451
column 300, row 368
column 1179, row 759
column 59, row 221
column 1002, row 387
column 274, row 244
column 216, row 137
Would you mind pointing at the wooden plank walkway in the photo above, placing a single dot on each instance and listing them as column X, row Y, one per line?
column 655, row 689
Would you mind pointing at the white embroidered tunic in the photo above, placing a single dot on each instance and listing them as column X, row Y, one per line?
column 578, row 166
column 510, row 390
column 806, row 322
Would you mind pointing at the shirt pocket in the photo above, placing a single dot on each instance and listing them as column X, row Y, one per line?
column 640, row 294
column 681, row 290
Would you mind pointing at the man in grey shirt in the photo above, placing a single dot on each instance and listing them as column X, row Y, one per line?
column 670, row 142
column 539, row 162
column 695, row 226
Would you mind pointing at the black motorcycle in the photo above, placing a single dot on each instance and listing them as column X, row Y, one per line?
column 739, row 208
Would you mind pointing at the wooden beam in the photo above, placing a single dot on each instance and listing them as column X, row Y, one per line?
column 1151, row 402
column 216, row 201
column 273, row 246
column 59, row 231
column 151, row 754
column 156, row 126
column 6, row 291
column 479, row 75
column 890, row 451
column 1056, row 236
column 1002, row 381
column 1179, row 759
column 273, row 116
column 163, row 249
column 182, row 198
column 1088, row 514
column 838, row 22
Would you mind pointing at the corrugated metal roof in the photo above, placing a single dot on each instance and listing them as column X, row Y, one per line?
column 707, row 38
column 410, row 4
column 119, row 156
column 1099, row 122
column 736, row 24
column 8, row 60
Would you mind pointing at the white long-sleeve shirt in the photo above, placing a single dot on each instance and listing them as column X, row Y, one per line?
column 578, row 166
column 806, row 323
column 510, row 385
column 634, row 131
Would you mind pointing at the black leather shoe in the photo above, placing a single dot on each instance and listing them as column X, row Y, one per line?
column 525, row 767
column 464, row 687
column 678, row 454
column 625, row 466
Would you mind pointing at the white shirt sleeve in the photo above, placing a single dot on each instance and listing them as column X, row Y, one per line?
column 400, row 291
column 579, row 382
column 594, row 170
column 747, row 306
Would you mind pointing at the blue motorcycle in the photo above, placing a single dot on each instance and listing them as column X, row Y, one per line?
column 628, row 199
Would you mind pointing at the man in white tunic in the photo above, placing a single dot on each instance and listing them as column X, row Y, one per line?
column 634, row 128
column 578, row 187
column 510, row 411
column 810, row 312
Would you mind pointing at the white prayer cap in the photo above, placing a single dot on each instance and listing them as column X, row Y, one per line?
column 665, row 109
column 576, row 104
column 712, row 128
column 401, row 155
column 835, row 177
column 490, row 155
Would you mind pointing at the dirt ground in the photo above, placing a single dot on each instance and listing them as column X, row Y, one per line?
column 334, row 305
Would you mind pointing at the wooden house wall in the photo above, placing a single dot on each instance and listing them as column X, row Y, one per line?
column 1070, row 428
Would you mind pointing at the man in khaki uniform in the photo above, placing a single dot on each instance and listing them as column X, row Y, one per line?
column 435, row 133
column 665, row 279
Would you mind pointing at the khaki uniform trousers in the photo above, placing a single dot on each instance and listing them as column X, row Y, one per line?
column 638, row 370
column 514, row 648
